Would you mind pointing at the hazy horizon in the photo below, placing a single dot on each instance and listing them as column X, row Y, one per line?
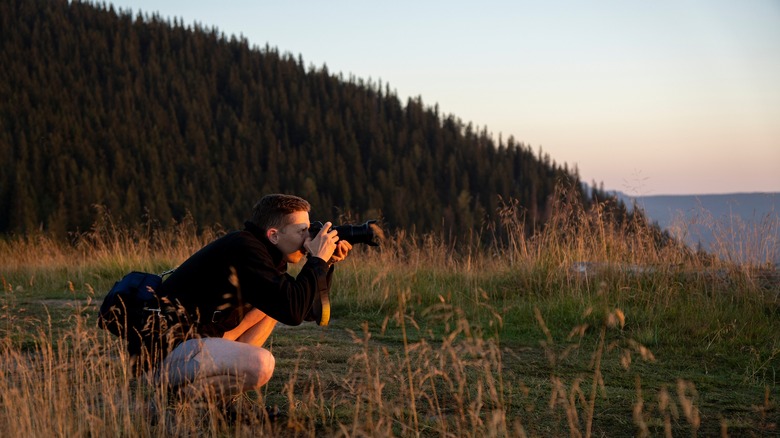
column 664, row 195
column 739, row 224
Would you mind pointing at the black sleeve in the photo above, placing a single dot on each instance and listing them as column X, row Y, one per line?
column 206, row 283
column 284, row 298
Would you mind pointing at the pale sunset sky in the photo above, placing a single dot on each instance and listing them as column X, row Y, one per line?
column 650, row 98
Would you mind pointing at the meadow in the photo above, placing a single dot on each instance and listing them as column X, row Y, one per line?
column 578, row 329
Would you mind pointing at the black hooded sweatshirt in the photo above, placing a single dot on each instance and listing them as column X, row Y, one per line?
column 212, row 290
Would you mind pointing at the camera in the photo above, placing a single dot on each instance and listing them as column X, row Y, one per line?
column 366, row 233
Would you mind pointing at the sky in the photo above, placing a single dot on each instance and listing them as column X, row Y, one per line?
column 646, row 98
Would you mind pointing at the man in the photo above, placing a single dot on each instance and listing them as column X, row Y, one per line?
column 224, row 301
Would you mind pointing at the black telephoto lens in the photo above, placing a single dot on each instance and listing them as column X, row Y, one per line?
column 363, row 233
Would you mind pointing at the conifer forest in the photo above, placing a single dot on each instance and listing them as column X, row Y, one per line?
column 149, row 118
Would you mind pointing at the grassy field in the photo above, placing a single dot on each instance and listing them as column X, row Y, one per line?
column 577, row 331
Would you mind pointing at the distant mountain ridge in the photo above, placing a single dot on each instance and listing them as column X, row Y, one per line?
column 741, row 225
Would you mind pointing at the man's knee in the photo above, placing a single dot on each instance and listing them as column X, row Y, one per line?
column 262, row 367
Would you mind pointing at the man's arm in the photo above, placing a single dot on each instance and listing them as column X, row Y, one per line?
column 284, row 298
column 278, row 294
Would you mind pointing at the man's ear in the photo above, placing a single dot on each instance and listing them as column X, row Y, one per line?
column 273, row 235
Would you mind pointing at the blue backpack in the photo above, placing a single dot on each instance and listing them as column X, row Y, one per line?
column 131, row 310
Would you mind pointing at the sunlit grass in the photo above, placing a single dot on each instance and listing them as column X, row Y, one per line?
column 581, row 329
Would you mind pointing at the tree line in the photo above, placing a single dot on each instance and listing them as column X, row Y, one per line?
column 150, row 117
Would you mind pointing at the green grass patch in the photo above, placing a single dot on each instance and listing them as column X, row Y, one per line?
column 423, row 345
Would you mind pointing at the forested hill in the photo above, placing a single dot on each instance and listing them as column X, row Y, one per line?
column 151, row 117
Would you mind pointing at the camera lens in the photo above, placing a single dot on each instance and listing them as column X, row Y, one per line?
column 353, row 234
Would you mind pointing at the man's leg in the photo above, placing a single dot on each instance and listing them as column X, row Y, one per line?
column 254, row 329
column 232, row 364
column 225, row 367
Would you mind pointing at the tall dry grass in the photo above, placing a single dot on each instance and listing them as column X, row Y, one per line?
column 79, row 383
column 431, row 358
column 107, row 244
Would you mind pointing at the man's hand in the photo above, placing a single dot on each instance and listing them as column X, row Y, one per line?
column 324, row 243
column 342, row 249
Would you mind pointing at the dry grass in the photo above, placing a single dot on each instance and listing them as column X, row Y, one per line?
column 428, row 339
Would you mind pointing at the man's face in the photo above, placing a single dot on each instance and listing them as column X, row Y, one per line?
column 289, row 238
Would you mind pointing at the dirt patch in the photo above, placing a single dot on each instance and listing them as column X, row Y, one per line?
column 68, row 303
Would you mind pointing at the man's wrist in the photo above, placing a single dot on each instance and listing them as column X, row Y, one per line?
column 317, row 259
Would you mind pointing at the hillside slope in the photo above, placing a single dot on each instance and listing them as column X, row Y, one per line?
column 154, row 119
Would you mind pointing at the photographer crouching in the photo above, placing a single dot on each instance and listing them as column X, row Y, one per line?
column 224, row 301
